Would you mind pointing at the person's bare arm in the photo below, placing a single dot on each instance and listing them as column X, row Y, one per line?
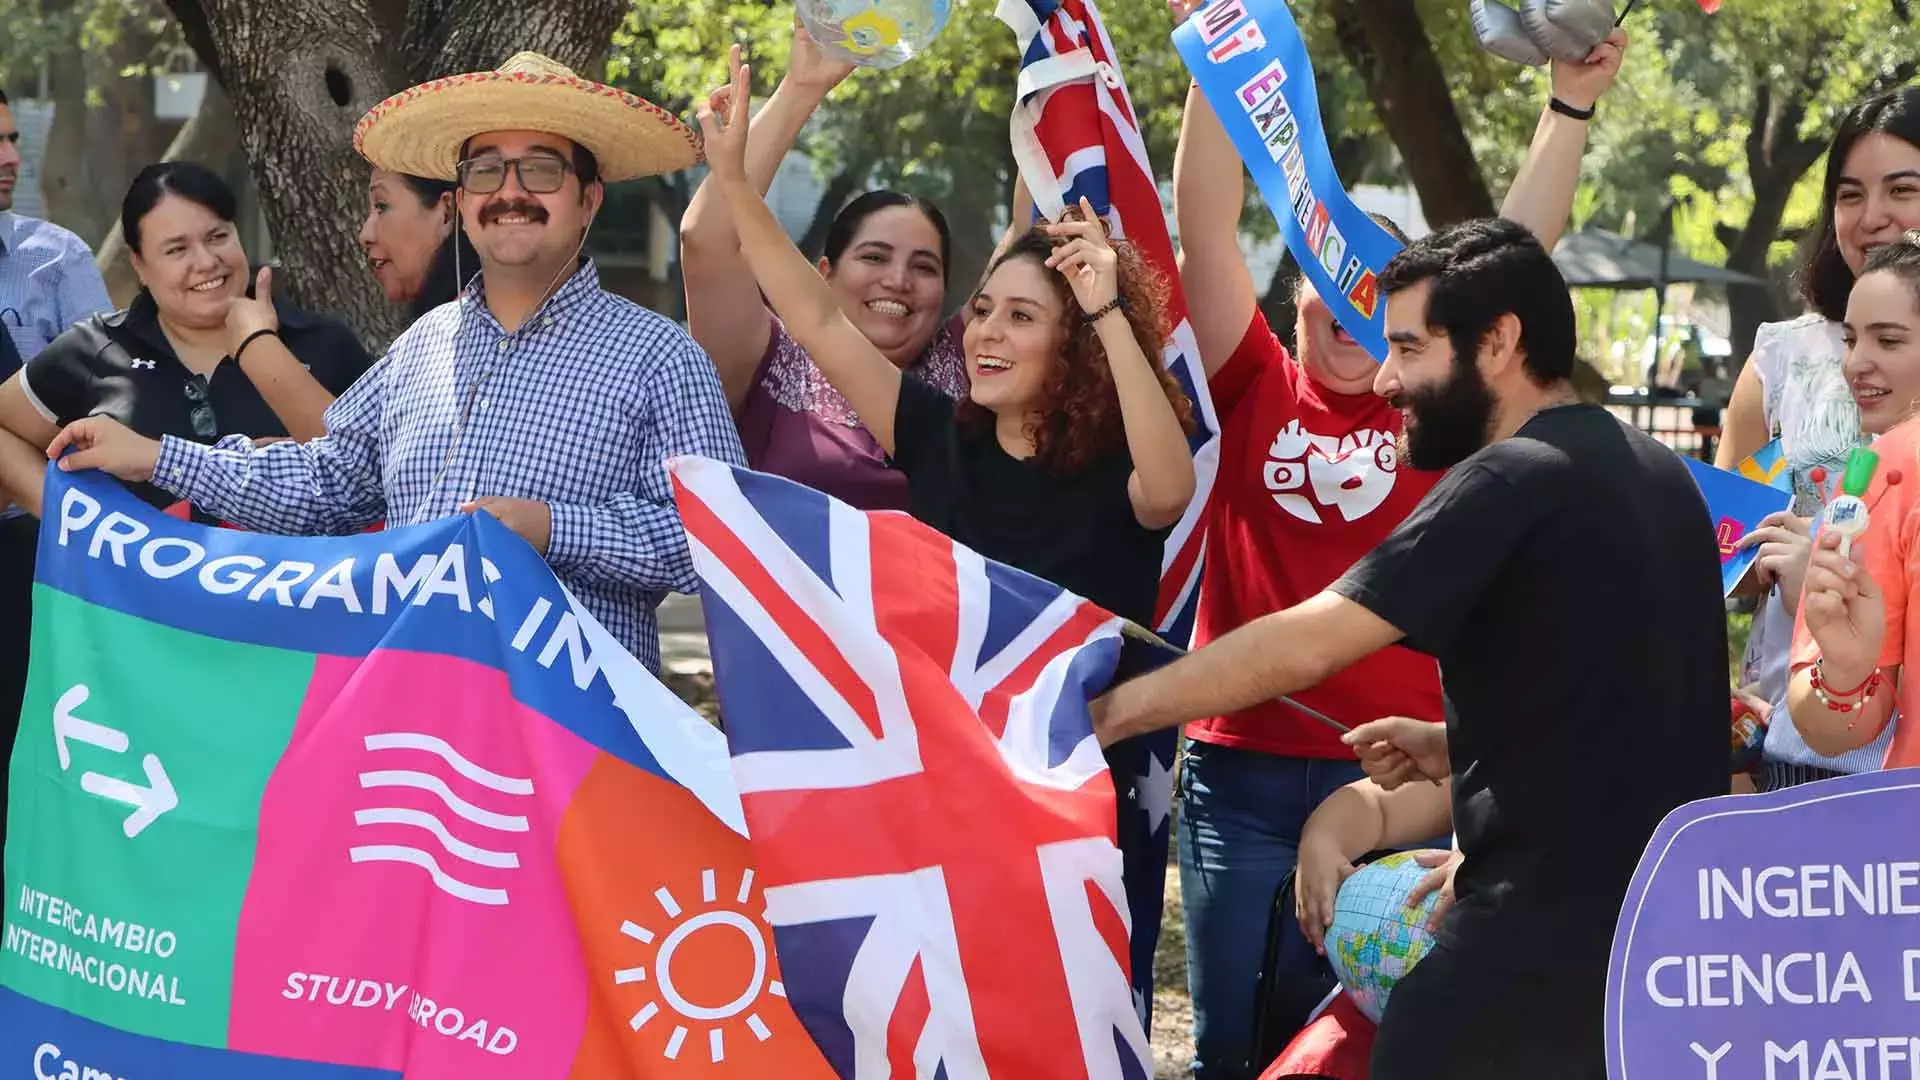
column 799, row 295
column 724, row 310
column 23, row 472
column 1541, row 197
column 1209, row 187
column 1354, row 820
column 1269, row 657
column 1743, row 426
column 18, row 415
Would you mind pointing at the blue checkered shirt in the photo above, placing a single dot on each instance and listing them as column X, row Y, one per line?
column 47, row 283
column 579, row 409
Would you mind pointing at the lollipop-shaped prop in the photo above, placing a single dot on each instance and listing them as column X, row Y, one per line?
column 1847, row 513
column 873, row 33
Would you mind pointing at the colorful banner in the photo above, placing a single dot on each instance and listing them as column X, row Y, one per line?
column 1075, row 133
column 1249, row 60
column 1737, row 505
column 374, row 806
column 1767, row 465
column 929, row 806
column 1773, row 936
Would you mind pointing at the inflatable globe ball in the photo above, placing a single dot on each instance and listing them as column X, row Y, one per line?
column 1376, row 938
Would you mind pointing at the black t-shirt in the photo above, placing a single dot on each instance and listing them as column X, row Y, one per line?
column 121, row 365
column 1568, row 581
column 1078, row 531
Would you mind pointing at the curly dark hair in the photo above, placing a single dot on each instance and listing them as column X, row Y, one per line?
column 1080, row 421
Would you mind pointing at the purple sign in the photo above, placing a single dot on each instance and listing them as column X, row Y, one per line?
column 1774, row 937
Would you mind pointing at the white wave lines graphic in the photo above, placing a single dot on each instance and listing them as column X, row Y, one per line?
column 449, row 844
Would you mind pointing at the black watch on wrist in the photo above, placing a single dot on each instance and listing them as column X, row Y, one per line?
column 1565, row 109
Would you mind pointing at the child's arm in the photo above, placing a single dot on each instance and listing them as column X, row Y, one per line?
column 1355, row 820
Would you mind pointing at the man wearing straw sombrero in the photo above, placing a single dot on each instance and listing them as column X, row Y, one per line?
column 536, row 395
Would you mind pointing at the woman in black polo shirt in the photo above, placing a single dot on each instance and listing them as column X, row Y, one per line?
column 197, row 355
column 164, row 366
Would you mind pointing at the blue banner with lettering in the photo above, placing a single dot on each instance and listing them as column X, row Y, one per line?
column 1248, row 58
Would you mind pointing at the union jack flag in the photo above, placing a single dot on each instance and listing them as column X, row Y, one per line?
column 930, row 812
column 1075, row 133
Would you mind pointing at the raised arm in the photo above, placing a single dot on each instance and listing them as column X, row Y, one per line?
column 1541, row 197
column 799, row 295
column 724, row 310
column 1162, row 482
column 1209, row 186
column 285, row 384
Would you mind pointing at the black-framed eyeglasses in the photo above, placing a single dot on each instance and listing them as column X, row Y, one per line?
column 200, row 415
column 540, row 174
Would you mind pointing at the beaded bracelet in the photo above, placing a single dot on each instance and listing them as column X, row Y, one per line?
column 1843, row 701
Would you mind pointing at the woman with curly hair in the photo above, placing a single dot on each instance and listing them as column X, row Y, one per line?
column 1069, row 458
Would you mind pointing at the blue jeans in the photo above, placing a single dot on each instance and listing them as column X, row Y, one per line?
column 1241, row 812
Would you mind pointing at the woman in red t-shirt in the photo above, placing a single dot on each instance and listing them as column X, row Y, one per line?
column 1309, row 481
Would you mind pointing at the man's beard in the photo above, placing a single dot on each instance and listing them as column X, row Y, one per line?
column 1447, row 423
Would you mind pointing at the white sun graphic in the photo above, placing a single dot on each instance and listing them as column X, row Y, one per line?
column 714, row 917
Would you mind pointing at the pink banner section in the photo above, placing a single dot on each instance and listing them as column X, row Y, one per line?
column 415, row 814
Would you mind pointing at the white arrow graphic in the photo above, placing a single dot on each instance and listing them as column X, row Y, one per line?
column 148, row 802
column 68, row 726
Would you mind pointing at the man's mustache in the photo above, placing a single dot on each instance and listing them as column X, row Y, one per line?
column 532, row 211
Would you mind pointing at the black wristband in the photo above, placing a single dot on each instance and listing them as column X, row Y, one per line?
column 250, row 338
column 1118, row 303
column 1565, row 109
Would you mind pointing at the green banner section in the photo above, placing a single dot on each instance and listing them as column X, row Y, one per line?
column 141, row 779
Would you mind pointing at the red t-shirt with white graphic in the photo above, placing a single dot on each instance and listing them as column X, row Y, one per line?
column 1309, row 482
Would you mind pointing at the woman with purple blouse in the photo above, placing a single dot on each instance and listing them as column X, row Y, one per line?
column 886, row 256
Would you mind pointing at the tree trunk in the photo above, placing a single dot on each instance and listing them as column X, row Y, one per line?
column 1778, row 155
column 301, row 75
column 208, row 139
column 1388, row 45
column 104, row 129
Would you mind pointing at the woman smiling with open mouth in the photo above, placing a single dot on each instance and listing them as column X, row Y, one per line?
column 1069, row 457
column 885, row 260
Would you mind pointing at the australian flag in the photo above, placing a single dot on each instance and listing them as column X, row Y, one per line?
column 1075, row 133
column 931, row 815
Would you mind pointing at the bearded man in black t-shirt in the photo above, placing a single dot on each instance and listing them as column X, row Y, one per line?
column 1565, row 574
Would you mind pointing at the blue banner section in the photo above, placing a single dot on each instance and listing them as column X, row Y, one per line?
column 1250, row 62
column 436, row 588
column 1737, row 505
column 45, row 1043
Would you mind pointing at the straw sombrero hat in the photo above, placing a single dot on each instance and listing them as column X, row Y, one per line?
column 420, row 130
